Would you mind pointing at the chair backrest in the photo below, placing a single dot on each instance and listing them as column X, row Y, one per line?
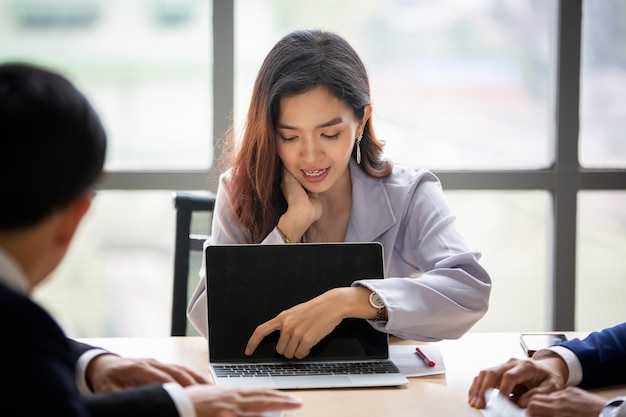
column 193, row 225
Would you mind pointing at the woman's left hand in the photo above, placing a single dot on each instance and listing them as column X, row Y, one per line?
column 304, row 325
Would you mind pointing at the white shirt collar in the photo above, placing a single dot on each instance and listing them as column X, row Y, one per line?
column 11, row 275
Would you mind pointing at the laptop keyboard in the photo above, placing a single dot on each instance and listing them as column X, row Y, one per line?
column 309, row 368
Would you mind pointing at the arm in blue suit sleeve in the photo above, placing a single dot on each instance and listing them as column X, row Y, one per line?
column 602, row 356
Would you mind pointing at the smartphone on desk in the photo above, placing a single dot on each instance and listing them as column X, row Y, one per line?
column 532, row 342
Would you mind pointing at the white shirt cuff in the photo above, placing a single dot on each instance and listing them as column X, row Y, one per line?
column 571, row 360
column 621, row 411
column 81, row 368
column 183, row 403
column 615, row 407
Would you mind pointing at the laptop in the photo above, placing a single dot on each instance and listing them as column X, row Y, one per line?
column 248, row 284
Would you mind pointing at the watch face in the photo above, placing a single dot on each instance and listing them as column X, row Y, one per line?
column 376, row 301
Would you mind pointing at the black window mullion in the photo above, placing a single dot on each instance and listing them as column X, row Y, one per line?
column 223, row 78
column 563, row 289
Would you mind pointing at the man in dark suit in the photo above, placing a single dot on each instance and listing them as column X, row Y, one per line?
column 52, row 150
column 552, row 382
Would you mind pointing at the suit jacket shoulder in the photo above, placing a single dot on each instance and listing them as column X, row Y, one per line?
column 38, row 370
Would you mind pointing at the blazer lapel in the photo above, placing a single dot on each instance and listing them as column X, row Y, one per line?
column 372, row 212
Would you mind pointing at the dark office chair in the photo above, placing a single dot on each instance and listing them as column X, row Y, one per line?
column 194, row 213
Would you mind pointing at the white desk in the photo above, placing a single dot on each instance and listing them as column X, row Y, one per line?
column 432, row 396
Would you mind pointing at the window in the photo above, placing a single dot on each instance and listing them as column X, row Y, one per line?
column 600, row 283
column 146, row 67
column 603, row 85
column 485, row 93
column 511, row 230
column 601, row 224
column 116, row 279
column 455, row 85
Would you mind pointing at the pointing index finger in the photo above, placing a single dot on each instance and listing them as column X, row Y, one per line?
column 259, row 334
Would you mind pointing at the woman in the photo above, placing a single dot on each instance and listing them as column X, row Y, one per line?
column 311, row 169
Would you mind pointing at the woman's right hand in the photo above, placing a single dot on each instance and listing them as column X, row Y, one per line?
column 303, row 208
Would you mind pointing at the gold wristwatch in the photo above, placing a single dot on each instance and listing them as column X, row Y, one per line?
column 377, row 303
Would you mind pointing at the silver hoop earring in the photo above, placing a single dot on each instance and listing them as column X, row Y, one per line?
column 358, row 149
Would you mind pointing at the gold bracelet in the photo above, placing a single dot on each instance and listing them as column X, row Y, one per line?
column 381, row 314
column 286, row 239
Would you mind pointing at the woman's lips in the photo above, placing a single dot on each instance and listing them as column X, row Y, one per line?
column 315, row 175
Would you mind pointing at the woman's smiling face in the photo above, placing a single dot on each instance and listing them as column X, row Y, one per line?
column 315, row 136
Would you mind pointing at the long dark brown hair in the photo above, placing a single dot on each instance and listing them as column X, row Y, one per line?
column 299, row 62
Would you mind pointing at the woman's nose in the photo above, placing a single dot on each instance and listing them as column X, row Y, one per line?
column 309, row 150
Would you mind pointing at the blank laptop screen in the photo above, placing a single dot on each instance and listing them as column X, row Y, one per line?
column 250, row 284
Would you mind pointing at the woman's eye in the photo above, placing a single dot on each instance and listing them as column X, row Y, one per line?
column 335, row 136
column 288, row 139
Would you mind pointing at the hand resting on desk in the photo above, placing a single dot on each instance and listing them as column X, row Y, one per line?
column 538, row 386
column 109, row 372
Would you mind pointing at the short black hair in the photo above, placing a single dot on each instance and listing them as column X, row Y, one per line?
column 52, row 144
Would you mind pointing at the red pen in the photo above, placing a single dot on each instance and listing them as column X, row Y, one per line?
column 429, row 362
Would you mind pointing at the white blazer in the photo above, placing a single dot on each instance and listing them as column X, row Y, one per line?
column 434, row 286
